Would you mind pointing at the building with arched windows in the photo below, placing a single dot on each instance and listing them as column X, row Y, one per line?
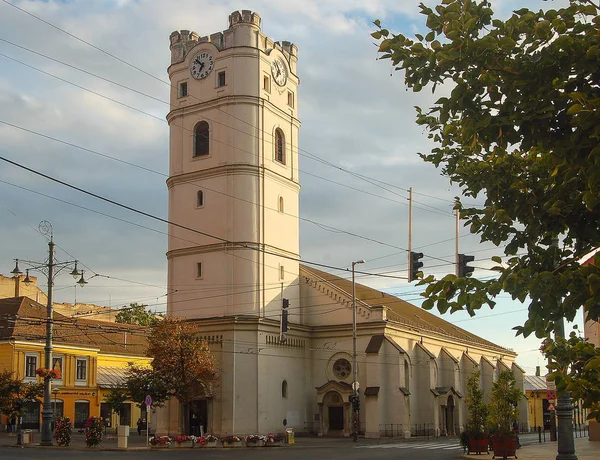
column 233, row 263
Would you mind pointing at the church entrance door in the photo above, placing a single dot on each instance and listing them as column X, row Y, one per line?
column 336, row 418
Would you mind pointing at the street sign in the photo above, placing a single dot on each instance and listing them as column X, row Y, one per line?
column 550, row 385
column 148, row 400
column 551, row 395
column 551, row 407
column 355, row 386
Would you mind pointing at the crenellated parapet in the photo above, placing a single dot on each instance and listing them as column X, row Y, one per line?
column 245, row 17
column 244, row 30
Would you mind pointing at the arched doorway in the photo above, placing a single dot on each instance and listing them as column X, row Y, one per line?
column 334, row 413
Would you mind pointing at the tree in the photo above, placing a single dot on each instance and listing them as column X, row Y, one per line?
column 115, row 397
column 519, row 124
column 14, row 393
column 504, row 399
column 143, row 381
column 182, row 359
column 575, row 367
column 137, row 314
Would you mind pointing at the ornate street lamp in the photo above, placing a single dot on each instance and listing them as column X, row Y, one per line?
column 50, row 267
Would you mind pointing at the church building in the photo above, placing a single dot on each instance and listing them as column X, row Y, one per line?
column 233, row 264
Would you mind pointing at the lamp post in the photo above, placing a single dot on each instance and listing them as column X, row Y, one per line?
column 355, row 419
column 55, row 391
column 50, row 267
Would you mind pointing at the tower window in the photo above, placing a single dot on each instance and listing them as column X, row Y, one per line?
column 199, row 199
column 267, row 84
column 201, row 138
column 279, row 146
column 280, row 204
column 199, row 270
column 183, row 89
column 284, row 389
column 221, row 79
column 281, row 272
column 290, row 99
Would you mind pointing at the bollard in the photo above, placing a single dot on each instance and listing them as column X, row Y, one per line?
column 540, row 434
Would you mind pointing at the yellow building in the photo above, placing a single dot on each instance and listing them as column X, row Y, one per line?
column 90, row 355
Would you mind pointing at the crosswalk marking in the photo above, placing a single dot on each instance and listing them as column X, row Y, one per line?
column 411, row 445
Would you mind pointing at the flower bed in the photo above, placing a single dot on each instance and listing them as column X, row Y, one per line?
column 160, row 441
column 231, row 441
column 255, row 440
column 277, row 439
column 208, row 440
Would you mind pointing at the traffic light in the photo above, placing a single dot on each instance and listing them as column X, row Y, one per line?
column 356, row 404
column 463, row 268
column 414, row 265
column 284, row 319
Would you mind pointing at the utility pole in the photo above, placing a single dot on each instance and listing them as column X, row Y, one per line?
column 49, row 267
column 564, row 407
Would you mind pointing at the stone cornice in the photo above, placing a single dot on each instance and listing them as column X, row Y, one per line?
column 231, row 246
column 221, row 101
column 229, row 170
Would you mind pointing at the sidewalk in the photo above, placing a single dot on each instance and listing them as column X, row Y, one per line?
column 584, row 449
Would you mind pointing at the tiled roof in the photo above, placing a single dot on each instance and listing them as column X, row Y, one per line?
column 399, row 310
column 24, row 319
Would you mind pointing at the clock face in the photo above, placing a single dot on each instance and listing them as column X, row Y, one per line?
column 279, row 71
column 201, row 65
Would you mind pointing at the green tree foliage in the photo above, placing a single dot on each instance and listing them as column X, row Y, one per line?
column 575, row 367
column 14, row 392
column 504, row 403
column 115, row 397
column 137, row 314
column 519, row 125
column 143, row 381
column 477, row 408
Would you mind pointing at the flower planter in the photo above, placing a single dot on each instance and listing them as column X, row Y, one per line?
column 159, row 446
column 477, row 444
column 255, row 443
column 274, row 443
column 184, row 445
column 504, row 446
column 232, row 444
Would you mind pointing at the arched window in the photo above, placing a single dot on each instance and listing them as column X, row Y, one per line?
column 201, row 138
column 406, row 375
column 200, row 199
column 280, row 204
column 284, row 389
column 279, row 146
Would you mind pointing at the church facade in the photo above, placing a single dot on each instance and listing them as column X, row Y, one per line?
column 233, row 262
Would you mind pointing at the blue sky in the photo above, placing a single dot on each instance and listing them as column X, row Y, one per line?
column 355, row 114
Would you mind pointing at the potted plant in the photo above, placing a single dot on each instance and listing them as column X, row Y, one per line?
column 208, row 440
column 93, row 431
column 255, row 440
column 184, row 441
column 160, row 441
column 475, row 439
column 503, row 411
column 275, row 439
column 231, row 441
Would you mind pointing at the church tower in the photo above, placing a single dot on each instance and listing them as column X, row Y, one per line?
column 233, row 173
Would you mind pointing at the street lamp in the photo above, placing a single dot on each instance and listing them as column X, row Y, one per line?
column 55, row 391
column 355, row 364
column 50, row 268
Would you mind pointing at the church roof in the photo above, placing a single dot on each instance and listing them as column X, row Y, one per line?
column 399, row 310
column 22, row 318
